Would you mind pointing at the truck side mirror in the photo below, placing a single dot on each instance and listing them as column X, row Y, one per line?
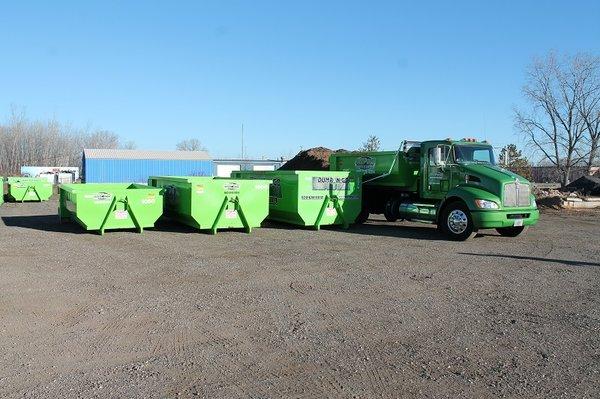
column 437, row 157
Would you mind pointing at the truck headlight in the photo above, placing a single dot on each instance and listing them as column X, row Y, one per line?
column 533, row 203
column 484, row 204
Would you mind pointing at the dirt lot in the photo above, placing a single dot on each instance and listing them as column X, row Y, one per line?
column 376, row 311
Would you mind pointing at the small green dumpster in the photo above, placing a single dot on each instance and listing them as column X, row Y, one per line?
column 311, row 198
column 21, row 189
column 101, row 207
column 211, row 203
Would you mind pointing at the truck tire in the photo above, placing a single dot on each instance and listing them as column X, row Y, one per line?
column 362, row 217
column 456, row 222
column 389, row 213
column 511, row 231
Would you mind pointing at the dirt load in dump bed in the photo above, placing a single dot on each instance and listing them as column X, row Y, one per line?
column 316, row 158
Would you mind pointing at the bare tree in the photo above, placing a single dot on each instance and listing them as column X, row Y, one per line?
column 372, row 144
column 588, row 105
column 190, row 145
column 128, row 145
column 46, row 143
column 554, row 125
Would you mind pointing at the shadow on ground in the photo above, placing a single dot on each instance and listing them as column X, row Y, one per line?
column 535, row 258
column 43, row 223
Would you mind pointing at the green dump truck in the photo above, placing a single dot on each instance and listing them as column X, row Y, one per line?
column 22, row 189
column 310, row 198
column 454, row 184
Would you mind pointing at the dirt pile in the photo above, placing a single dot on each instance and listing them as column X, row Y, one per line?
column 587, row 185
column 316, row 158
column 548, row 197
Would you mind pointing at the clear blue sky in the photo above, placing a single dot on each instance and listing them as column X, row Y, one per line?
column 297, row 74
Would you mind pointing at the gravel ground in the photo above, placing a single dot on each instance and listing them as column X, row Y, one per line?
column 379, row 310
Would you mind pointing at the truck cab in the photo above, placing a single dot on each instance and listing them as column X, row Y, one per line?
column 454, row 184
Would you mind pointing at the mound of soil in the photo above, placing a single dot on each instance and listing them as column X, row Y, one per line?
column 316, row 158
column 553, row 202
column 588, row 185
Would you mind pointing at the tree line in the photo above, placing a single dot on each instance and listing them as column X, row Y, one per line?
column 561, row 121
column 48, row 143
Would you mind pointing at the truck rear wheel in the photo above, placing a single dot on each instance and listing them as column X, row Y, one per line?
column 390, row 214
column 456, row 222
column 511, row 231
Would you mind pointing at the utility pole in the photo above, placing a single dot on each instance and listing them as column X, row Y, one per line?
column 242, row 141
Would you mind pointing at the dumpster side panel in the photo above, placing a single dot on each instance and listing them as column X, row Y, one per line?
column 311, row 198
column 208, row 203
column 111, row 206
column 328, row 198
column 23, row 189
column 229, row 203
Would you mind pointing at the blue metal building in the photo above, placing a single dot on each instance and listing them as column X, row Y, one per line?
column 135, row 166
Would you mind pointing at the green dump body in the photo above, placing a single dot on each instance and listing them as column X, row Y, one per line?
column 391, row 168
column 311, row 198
column 212, row 203
column 101, row 207
column 21, row 189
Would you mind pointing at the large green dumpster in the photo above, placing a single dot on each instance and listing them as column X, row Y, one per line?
column 21, row 189
column 311, row 198
column 211, row 203
column 101, row 207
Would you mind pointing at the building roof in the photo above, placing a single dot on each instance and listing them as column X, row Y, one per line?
column 145, row 154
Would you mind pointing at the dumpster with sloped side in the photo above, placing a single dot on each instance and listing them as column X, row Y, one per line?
column 212, row 203
column 21, row 189
column 103, row 207
column 311, row 198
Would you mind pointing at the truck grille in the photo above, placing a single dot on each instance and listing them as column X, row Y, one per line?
column 516, row 194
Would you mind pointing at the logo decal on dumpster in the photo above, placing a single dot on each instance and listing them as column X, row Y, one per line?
column 102, row 197
column 326, row 183
column 231, row 187
column 365, row 164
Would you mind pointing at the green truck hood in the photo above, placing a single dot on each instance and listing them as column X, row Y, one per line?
column 491, row 173
column 491, row 179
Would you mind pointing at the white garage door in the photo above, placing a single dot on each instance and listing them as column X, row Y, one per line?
column 225, row 170
column 263, row 167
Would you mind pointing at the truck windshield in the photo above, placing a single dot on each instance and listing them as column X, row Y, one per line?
column 472, row 153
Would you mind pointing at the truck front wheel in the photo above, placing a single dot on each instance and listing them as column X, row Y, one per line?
column 456, row 222
column 511, row 231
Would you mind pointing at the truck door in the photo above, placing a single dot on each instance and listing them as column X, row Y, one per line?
column 437, row 173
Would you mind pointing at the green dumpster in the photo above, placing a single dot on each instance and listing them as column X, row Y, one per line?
column 311, row 198
column 21, row 189
column 101, row 207
column 212, row 203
